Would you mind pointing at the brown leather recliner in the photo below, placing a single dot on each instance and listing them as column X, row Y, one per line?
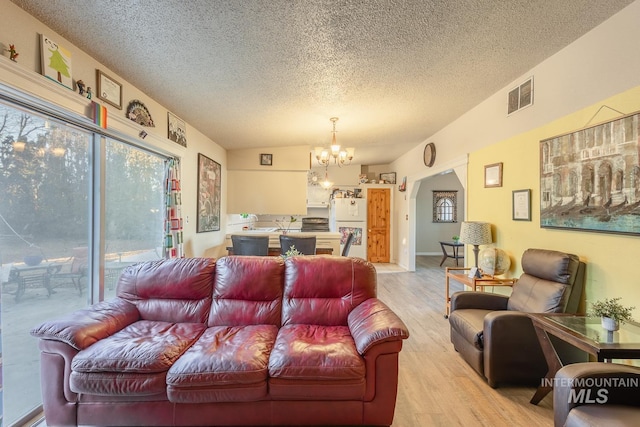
column 590, row 394
column 494, row 334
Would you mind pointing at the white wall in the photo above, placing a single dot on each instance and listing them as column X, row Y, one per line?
column 19, row 28
column 602, row 63
column 429, row 233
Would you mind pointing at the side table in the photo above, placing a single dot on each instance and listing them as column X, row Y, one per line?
column 585, row 333
column 455, row 254
column 461, row 275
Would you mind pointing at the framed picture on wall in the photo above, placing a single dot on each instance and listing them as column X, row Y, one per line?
column 388, row 177
column 177, row 129
column 493, row 175
column 209, row 184
column 266, row 159
column 109, row 90
column 56, row 62
column 521, row 205
column 590, row 178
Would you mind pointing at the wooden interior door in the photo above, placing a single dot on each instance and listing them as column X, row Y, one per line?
column 378, row 224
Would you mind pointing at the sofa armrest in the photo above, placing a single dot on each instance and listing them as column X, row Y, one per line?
column 84, row 327
column 480, row 300
column 372, row 322
column 608, row 383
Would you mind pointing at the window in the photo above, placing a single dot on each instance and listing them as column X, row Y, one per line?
column 133, row 231
column 44, row 215
column 46, row 176
column 445, row 206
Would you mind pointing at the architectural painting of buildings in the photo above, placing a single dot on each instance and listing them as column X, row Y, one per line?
column 590, row 178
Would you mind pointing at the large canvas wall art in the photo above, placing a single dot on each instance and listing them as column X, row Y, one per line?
column 590, row 178
column 209, row 184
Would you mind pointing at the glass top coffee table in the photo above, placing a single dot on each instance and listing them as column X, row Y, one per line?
column 585, row 333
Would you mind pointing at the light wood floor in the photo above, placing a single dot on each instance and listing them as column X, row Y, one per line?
column 436, row 386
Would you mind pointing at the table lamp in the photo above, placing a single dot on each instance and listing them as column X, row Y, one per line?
column 475, row 233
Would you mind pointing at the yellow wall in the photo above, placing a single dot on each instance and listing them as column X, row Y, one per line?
column 610, row 258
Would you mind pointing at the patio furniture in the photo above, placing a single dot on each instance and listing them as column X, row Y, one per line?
column 77, row 268
column 25, row 277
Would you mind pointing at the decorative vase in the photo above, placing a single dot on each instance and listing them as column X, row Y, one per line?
column 610, row 324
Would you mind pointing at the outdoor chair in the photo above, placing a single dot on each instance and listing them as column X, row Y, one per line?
column 73, row 272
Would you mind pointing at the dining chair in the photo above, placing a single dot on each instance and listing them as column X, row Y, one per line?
column 347, row 244
column 306, row 245
column 250, row 245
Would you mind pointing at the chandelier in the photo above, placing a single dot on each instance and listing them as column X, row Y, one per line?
column 340, row 156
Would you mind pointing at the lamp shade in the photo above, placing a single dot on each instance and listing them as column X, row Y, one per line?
column 475, row 233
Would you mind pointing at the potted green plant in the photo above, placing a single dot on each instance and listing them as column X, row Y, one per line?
column 455, row 239
column 611, row 313
column 284, row 225
column 291, row 252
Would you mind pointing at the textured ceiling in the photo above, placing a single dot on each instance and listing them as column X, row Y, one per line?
column 259, row 73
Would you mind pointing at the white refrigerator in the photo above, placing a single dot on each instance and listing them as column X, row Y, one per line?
column 349, row 215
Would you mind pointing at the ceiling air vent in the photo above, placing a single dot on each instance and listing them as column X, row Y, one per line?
column 520, row 96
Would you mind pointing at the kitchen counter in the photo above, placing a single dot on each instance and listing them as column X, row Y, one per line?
column 324, row 239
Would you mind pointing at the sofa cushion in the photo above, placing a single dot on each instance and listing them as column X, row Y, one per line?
column 312, row 352
column 169, row 290
column 135, row 360
column 469, row 323
column 247, row 291
column 316, row 362
column 223, row 357
column 142, row 347
column 321, row 290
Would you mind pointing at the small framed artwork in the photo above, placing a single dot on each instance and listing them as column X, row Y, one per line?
column 389, row 177
column 403, row 185
column 209, row 196
column 109, row 90
column 493, row 175
column 521, row 205
column 266, row 159
column 177, row 129
column 56, row 62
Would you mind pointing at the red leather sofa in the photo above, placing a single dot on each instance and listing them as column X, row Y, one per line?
column 238, row 341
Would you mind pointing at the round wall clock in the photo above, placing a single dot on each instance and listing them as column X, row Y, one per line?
column 429, row 154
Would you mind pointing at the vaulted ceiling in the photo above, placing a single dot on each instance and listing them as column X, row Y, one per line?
column 262, row 73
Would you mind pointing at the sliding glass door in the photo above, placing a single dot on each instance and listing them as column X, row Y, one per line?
column 133, row 209
column 44, row 221
column 46, row 245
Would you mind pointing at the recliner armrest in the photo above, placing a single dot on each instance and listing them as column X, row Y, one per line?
column 372, row 322
column 84, row 327
column 480, row 300
column 601, row 383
